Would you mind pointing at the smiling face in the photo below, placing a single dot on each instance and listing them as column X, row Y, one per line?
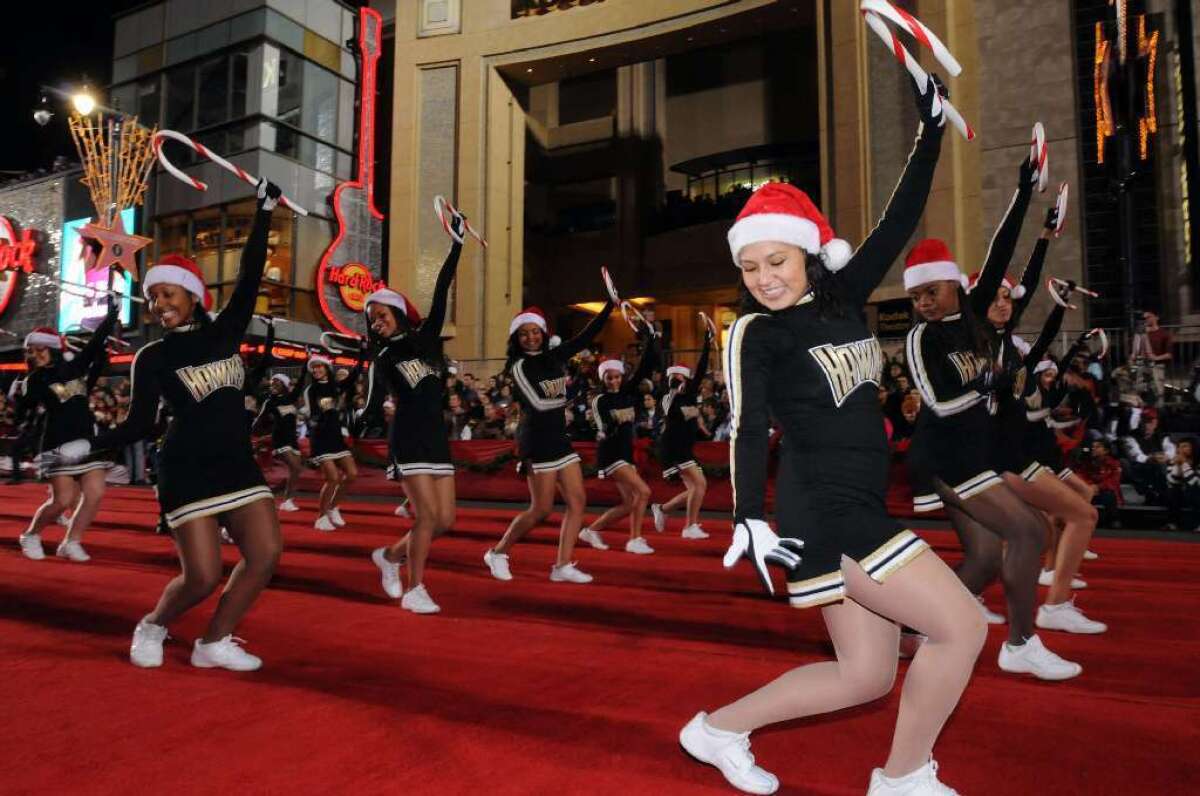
column 1001, row 309
column 935, row 300
column 320, row 372
column 382, row 320
column 37, row 356
column 612, row 380
column 774, row 273
column 171, row 305
column 530, row 337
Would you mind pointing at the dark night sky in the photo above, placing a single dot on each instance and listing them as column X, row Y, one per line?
column 55, row 43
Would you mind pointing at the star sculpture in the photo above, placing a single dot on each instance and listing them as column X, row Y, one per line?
column 109, row 248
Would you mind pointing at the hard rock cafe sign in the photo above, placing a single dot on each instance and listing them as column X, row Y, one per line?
column 16, row 258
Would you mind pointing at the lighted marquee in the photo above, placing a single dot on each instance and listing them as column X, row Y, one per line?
column 1147, row 52
column 16, row 258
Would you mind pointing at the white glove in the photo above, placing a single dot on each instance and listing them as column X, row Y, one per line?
column 755, row 540
column 268, row 194
column 74, row 451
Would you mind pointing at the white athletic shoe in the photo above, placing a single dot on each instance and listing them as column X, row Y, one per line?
column 660, row 517
column 325, row 524
column 922, row 782
column 569, row 573
column 31, row 546
column 1088, row 555
column 401, row 511
column 1065, row 616
column 729, row 752
column 498, row 564
column 389, row 573
column 419, row 602
column 1032, row 657
column 694, row 532
column 289, row 505
column 1046, row 578
column 336, row 515
column 226, row 654
column 72, row 551
column 639, row 546
column 910, row 642
column 991, row 617
column 146, row 650
column 593, row 538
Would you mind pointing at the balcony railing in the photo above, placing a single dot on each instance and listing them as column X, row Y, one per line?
column 538, row 8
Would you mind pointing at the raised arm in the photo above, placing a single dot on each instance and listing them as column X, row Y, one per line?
column 1004, row 243
column 570, row 348
column 693, row 385
column 346, row 386
column 750, row 359
column 1046, row 337
column 646, row 365
column 144, row 393
column 255, row 377
column 870, row 263
column 1031, row 278
column 377, row 390
column 298, row 390
column 431, row 328
column 234, row 319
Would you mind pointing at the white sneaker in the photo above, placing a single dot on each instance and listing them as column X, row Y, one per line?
column 910, row 642
column 335, row 514
column 593, row 538
column 1032, row 657
column 660, row 517
column 729, row 752
column 1046, row 578
column 389, row 572
column 1088, row 555
column 498, row 564
column 401, row 511
column 31, row 546
column 1065, row 616
column 922, row 782
column 146, row 650
column 694, row 532
column 226, row 654
column 991, row 617
column 325, row 524
column 72, row 551
column 639, row 546
column 419, row 602
column 569, row 573
column 289, row 505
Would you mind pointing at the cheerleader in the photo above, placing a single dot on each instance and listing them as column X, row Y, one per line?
column 206, row 469
column 677, row 441
column 409, row 365
column 547, row 458
column 951, row 460
column 59, row 388
column 807, row 358
column 280, row 408
column 613, row 413
column 322, row 401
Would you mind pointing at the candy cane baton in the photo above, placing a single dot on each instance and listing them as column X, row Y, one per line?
column 1053, row 283
column 440, row 206
column 200, row 149
column 341, row 343
column 916, row 29
column 633, row 317
column 1064, row 194
column 876, row 23
column 712, row 327
column 1098, row 332
column 613, row 295
column 1039, row 156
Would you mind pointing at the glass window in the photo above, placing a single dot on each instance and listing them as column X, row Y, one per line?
column 148, row 102
column 240, row 70
column 319, row 105
column 172, row 235
column 291, row 88
column 313, row 237
column 181, row 99
column 206, row 243
column 213, row 105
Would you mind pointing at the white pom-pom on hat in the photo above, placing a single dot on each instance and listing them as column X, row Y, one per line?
column 781, row 212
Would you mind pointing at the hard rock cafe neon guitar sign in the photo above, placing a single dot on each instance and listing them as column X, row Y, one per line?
column 352, row 266
column 16, row 257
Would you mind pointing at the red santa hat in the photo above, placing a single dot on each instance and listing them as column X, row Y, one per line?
column 1045, row 365
column 1014, row 290
column 931, row 261
column 781, row 212
column 392, row 298
column 317, row 359
column 176, row 270
column 679, row 370
column 528, row 315
column 282, row 379
column 611, row 364
column 45, row 337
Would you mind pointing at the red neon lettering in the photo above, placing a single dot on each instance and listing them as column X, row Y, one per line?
column 18, row 255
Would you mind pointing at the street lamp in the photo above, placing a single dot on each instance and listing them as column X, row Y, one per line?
column 83, row 102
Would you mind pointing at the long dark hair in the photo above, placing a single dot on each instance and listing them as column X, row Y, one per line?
column 981, row 342
column 434, row 358
column 822, row 283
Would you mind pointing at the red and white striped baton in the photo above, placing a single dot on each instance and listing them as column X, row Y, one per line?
column 200, row 149
column 1064, row 192
column 440, row 206
column 1039, row 156
column 1053, row 283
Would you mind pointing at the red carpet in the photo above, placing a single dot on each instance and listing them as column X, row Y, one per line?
column 533, row 687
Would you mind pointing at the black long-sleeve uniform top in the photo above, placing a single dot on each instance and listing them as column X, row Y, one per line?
column 197, row 370
column 807, row 372
column 61, row 389
column 280, row 410
column 680, row 410
column 941, row 354
column 541, row 382
column 402, row 366
column 614, row 413
column 322, row 399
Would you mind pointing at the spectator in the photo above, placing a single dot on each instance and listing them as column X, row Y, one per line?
column 456, row 416
column 1102, row 470
column 649, row 418
column 1145, row 453
column 1160, row 355
column 1183, row 504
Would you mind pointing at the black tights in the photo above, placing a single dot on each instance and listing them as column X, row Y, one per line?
column 1000, row 533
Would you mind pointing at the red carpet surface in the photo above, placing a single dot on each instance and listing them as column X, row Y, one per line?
column 534, row 687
